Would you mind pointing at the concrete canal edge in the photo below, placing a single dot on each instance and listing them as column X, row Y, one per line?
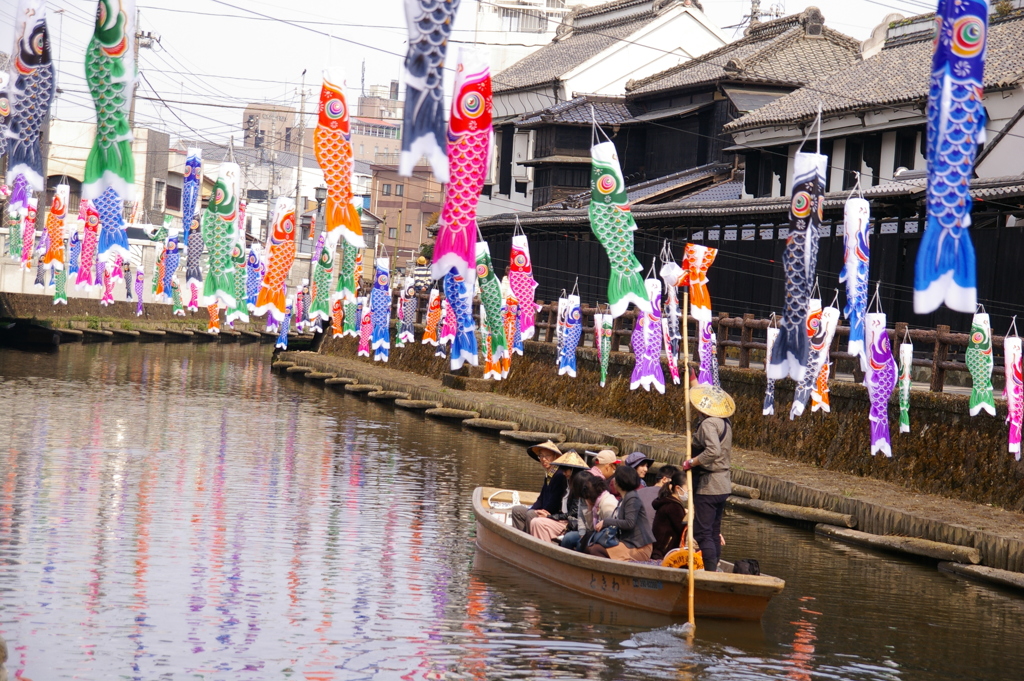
column 1001, row 550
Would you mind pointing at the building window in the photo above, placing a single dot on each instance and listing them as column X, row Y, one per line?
column 386, row 190
column 287, row 139
column 159, row 194
column 399, row 188
column 173, row 201
column 408, row 229
column 361, row 150
column 392, row 232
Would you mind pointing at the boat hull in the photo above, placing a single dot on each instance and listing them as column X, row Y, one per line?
column 636, row 585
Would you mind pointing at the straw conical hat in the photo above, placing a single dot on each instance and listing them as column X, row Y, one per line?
column 548, row 446
column 570, row 460
column 711, row 400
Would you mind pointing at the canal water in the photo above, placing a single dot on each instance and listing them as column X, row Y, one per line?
column 178, row 512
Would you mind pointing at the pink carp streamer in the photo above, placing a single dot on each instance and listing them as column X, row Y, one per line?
column 469, row 142
column 520, row 279
column 1014, row 392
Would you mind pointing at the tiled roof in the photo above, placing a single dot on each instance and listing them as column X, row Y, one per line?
column 898, row 74
column 583, row 42
column 576, row 111
column 726, row 191
column 637, row 193
column 778, row 51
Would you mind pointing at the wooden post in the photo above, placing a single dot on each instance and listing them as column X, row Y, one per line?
column 723, row 335
column 552, row 322
column 615, row 334
column 746, row 338
column 938, row 356
column 689, row 454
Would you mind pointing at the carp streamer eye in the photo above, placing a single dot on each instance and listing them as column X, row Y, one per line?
column 335, row 109
column 968, row 36
column 472, row 105
column 801, row 204
column 606, row 184
column 481, row 271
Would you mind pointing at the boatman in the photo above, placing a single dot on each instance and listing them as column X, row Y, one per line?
column 421, row 276
column 549, row 501
column 712, row 454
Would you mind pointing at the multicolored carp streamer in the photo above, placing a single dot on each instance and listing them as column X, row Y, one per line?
column 108, row 285
column 1014, row 392
column 323, row 270
column 28, row 233
column 571, row 337
column 254, row 271
column 87, row 259
column 380, row 309
column 707, row 352
column 14, row 219
column 449, row 324
column 365, row 326
column 407, row 312
column 286, row 323
column 945, row 271
column 672, row 275
column 280, row 256
column 337, row 318
column 978, row 357
column 110, row 168
column 348, row 283
column 191, row 184
column 140, row 287
column 5, row 112
column 821, row 344
column 880, row 380
column 612, row 223
column 804, row 386
column 40, row 279
column 523, row 285
column 460, row 301
column 799, row 262
column 303, row 298
column 492, row 367
column 172, row 257
column 177, row 308
column 856, row 263
column 332, row 146
column 469, row 143
column 491, row 298
column 220, row 236
column 603, row 326
column 75, row 253
column 768, row 409
column 54, row 257
column 563, row 310
column 60, row 291
column 646, row 342
column 697, row 260
column 239, row 311
column 430, row 330
column 213, row 311
column 906, row 364
column 423, row 130
column 29, row 93
column 158, row 275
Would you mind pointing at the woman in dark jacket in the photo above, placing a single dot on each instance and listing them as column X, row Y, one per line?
column 634, row 534
column 669, row 516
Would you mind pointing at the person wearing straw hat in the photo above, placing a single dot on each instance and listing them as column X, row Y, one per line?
column 712, row 450
column 555, row 525
column 550, row 499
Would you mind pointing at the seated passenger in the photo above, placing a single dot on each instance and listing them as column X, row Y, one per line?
column 649, row 494
column 641, row 464
column 635, row 540
column 569, row 464
column 550, row 499
column 670, row 517
column 604, row 463
column 579, row 523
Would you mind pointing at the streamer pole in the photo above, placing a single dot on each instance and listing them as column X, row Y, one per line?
column 689, row 455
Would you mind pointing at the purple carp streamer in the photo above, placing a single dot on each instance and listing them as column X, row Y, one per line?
column 423, row 132
column 945, row 271
column 646, row 343
column 880, row 381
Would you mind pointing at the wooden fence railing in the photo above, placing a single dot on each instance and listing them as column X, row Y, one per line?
column 937, row 349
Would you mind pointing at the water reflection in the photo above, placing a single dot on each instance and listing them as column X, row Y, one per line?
column 178, row 512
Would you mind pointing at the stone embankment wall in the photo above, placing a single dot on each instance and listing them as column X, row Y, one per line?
column 947, row 452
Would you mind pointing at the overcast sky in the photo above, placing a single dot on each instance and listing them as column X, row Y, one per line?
column 224, row 54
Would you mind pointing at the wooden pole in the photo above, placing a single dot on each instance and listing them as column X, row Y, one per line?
column 689, row 451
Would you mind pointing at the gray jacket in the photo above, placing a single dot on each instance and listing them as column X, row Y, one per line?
column 714, row 437
column 631, row 519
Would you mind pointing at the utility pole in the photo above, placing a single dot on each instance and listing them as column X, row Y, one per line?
column 298, row 168
column 143, row 39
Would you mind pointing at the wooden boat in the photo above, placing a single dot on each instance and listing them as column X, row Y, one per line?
column 648, row 587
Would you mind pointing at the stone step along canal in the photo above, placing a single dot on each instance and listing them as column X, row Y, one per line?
column 179, row 511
